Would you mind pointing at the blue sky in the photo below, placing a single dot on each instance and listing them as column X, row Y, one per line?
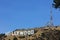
column 18, row 14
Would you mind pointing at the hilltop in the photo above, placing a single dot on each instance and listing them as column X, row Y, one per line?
column 44, row 33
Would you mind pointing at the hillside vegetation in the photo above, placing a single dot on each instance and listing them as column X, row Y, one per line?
column 46, row 33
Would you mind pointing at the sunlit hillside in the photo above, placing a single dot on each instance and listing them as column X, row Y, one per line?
column 44, row 33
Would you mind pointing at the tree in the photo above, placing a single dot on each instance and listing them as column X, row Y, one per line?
column 56, row 3
column 15, row 38
column 2, row 36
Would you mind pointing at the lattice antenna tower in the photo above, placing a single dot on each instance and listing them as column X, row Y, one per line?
column 51, row 18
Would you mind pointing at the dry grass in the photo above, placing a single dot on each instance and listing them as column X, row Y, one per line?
column 34, row 36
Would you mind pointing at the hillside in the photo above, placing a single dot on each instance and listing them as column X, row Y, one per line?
column 45, row 33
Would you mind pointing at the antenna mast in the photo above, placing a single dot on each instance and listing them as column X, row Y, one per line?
column 51, row 18
column 50, row 23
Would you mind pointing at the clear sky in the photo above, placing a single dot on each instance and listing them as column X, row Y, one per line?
column 18, row 14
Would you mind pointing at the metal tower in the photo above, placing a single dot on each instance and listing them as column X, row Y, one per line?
column 50, row 23
column 51, row 18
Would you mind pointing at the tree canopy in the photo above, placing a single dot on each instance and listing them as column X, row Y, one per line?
column 56, row 3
